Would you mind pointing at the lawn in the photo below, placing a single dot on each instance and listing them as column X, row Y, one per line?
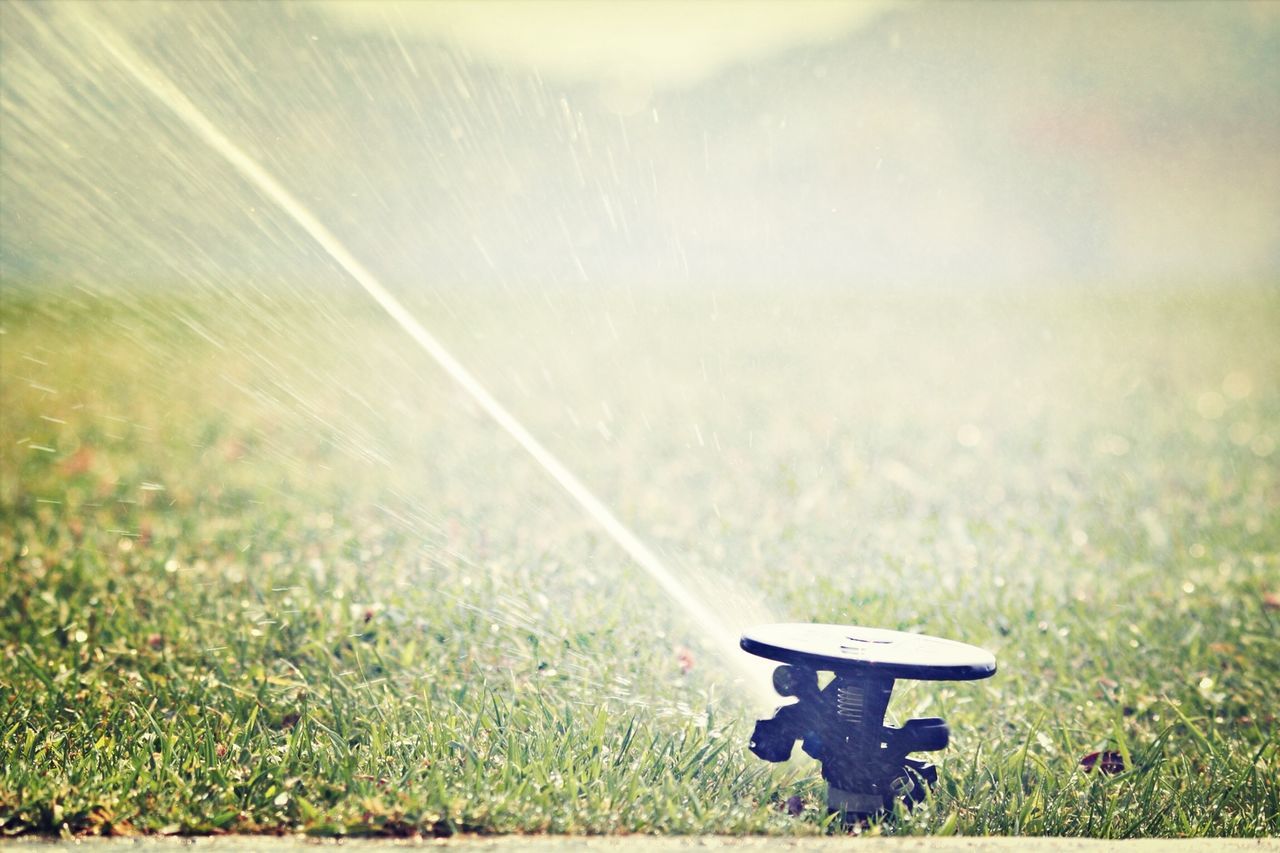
column 266, row 570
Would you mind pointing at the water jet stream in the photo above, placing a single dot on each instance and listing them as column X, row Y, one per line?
column 718, row 635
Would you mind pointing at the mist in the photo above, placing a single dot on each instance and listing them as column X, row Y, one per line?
column 859, row 146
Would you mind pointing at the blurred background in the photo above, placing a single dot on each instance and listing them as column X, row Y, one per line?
column 454, row 144
column 825, row 298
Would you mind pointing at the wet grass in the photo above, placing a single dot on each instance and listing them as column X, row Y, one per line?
column 265, row 571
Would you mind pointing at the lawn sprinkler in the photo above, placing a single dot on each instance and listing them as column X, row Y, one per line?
column 842, row 725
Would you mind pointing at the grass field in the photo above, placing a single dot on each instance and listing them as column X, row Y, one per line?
column 266, row 570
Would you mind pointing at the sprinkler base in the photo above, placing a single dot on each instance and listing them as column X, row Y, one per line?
column 841, row 723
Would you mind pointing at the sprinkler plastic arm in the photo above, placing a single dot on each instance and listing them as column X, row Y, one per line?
column 842, row 726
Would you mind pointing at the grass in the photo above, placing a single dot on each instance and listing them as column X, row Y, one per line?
column 265, row 570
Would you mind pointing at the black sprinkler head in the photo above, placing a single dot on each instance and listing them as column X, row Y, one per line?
column 842, row 725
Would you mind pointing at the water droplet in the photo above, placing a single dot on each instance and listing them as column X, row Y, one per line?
column 1237, row 385
column 1112, row 445
column 968, row 435
column 1211, row 405
column 1241, row 433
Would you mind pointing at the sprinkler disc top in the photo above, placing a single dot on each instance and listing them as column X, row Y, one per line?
column 850, row 648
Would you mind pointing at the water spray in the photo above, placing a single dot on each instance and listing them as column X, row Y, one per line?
column 864, row 762
column 718, row 636
column 841, row 724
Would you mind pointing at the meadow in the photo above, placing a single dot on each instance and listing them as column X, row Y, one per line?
column 266, row 570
